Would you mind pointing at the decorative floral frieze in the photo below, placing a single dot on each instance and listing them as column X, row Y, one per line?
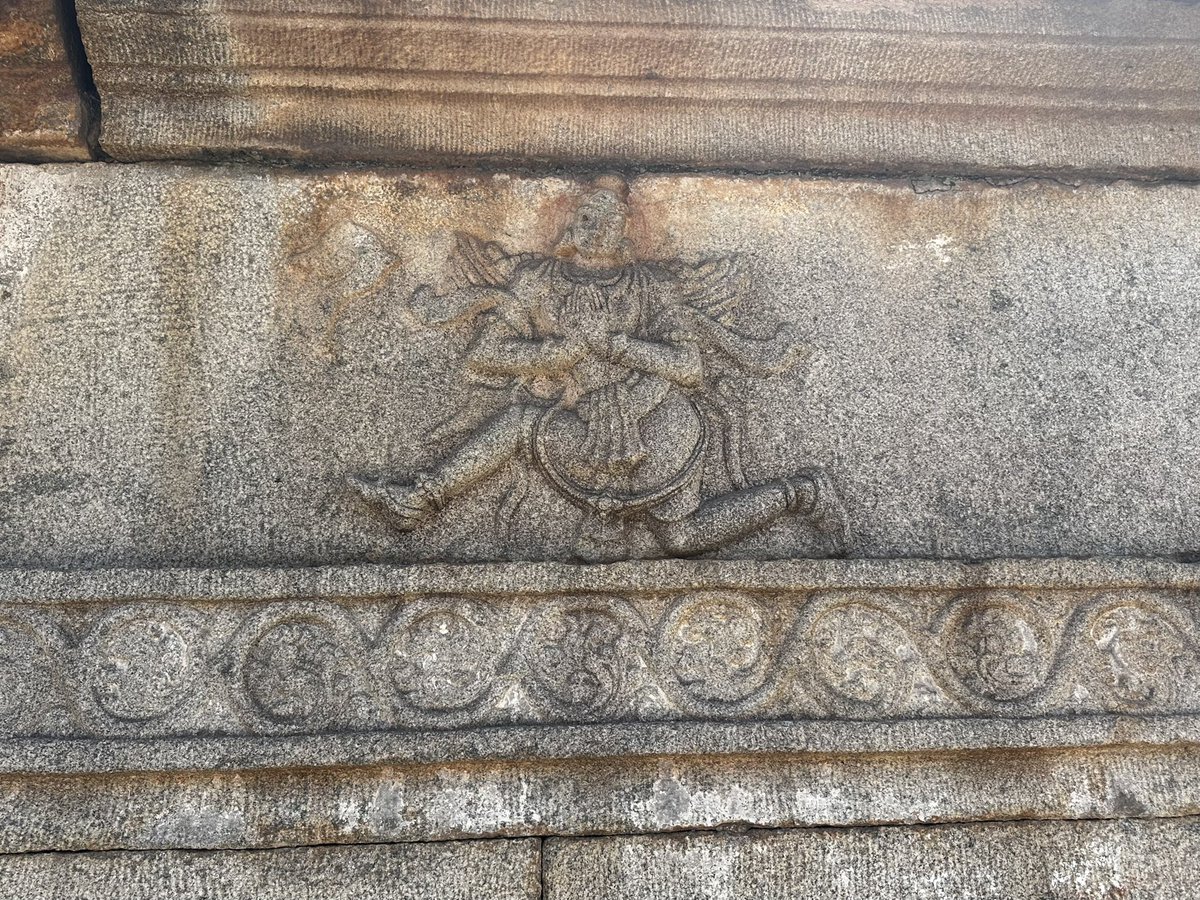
column 492, row 658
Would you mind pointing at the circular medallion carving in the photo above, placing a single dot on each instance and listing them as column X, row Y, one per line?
column 716, row 647
column 1147, row 657
column 861, row 657
column 579, row 659
column 444, row 658
column 296, row 672
column 1000, row 649
column 141, row 665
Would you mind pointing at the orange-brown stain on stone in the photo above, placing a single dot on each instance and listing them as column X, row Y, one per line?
column 41, row 110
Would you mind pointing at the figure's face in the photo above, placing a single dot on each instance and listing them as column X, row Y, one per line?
column 598, row 229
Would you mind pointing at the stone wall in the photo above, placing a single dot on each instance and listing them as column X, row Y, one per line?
column 612, row 450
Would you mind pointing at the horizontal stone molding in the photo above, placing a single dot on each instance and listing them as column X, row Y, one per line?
column 1006, row 87
column 362, row 665
column 646, row 790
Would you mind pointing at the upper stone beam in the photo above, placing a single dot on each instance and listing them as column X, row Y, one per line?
column 42, row 111
column 1005, row 87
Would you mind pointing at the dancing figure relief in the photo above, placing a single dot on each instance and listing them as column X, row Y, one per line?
column 617, row 381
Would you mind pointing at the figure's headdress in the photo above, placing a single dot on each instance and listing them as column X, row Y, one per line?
column 606, row 202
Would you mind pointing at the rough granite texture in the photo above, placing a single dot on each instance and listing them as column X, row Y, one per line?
column 43, row 112
column 478, row 870
column 196, row 360
column 1054, row 861
column 350, row 508
column 843, row 528
column 913, row 86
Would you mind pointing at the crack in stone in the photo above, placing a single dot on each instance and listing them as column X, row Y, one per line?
column 81, row 72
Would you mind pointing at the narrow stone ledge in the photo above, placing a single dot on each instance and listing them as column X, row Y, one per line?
column 640, row 791
column 1046, row 87
column 1059, row 861
column 43, row 113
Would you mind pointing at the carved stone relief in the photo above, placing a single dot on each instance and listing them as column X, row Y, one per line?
column 861, row 659
column 466, row 340
column 616, row 381
column 140, row 662
column 493, row 657
column 442, row 656
column 1144, row 654
column 1000, row 646
column 719, row 647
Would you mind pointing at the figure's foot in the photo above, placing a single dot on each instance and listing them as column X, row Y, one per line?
column 811, row 494
column 408, row 505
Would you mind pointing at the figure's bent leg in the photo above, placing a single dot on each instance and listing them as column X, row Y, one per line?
column 496, row 443
column 723, row 519
column 736, row 515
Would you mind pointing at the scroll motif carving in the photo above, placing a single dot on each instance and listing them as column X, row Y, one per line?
column 494, row 659
column 617, row 382
column 445, row 656
column 581, row 659
column 1000, row 647
column 1147, row 658
column 861, row 657
column 717, row 647
column 297, row 667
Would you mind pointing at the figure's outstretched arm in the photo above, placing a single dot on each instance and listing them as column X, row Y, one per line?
column 678, row 363
column 499, row 351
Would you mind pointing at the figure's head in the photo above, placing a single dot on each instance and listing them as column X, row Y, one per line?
column 596, row 234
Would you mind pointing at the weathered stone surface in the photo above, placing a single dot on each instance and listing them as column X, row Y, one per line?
column 480, row 870
column 1076, row 861
column 621, row 782
column 198, row 359
column 1062, row 87
column 354, row 507
column 43, row 113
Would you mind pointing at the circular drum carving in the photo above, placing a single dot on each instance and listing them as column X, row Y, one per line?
column 675, row 436
column 141, row 665
column 862, row 659
column 296, row 672
column 443, row 658
column 716, row 647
